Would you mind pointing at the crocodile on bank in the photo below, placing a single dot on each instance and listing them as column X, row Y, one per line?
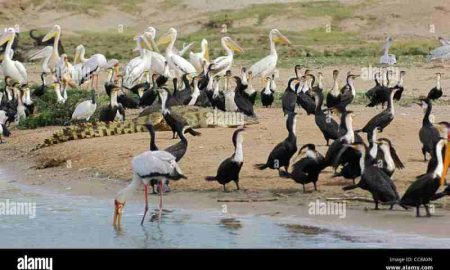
column 197, row 117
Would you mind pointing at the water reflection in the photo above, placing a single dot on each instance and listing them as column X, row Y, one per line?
column 76, row 222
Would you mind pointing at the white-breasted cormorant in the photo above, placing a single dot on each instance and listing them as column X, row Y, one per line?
column 422, row 190
column 230, row 168
column 436, row 92
column 289, row 98
column 374, row 180
column 267, row 93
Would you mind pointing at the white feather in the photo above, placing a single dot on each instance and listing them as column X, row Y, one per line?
column 84, row 110
column 151, row 162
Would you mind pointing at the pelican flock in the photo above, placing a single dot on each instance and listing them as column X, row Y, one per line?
column 144, row 85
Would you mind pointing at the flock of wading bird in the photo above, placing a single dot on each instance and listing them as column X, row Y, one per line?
column 201, row 81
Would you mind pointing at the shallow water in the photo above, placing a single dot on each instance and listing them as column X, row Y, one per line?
column 85, row 222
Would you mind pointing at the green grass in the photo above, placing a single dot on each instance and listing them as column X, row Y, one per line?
column 333, row 9
column 90, row 6
column 50, row 113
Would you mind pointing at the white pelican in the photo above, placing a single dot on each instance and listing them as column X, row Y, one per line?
column 85, row 109
column 223, row 63
column 176, row 63
column 11, row 68
column 55, row 33
column 138, row 66
column 88, row 68
column 198, row 60
column 386, row 58
column 158, row 165
column 266, row 66
column 46, row 54
column 158, row 61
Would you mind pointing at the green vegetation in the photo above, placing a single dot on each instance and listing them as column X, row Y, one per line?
column 112, row 44
column 312, row 47
column 90, row 6
column 49, row 112
column 334, row 9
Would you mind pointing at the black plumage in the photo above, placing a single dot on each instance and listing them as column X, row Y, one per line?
column 384, row 118
column 399, row 86
column 281, row 155
column 439, row 195
column 348, row 93
column 180, row 97
column 174, row 120
column 216, row 97
column 424, row 188
column 306, row 102
column 127, row 101
column 374, row 180
column 346, row 136
column 387, row 158
column 198, row 97
column 333, row 96
column 40, row 90
column 428, row 133
column 307, row 169
column 436, row 92
column 289, row 98
column 113, row 109
column 243, row 104
column 230, row 168
column 38, row 41
column 327, row 125
column 267, row 93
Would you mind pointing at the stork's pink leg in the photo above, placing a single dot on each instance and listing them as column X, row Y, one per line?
column 161, row 190
column 146, row 203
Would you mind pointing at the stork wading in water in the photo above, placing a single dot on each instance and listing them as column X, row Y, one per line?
column 160, row 165
column 266, row 66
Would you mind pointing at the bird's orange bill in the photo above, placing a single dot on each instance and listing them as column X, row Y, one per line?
column 118, row 213
column 446, row 160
